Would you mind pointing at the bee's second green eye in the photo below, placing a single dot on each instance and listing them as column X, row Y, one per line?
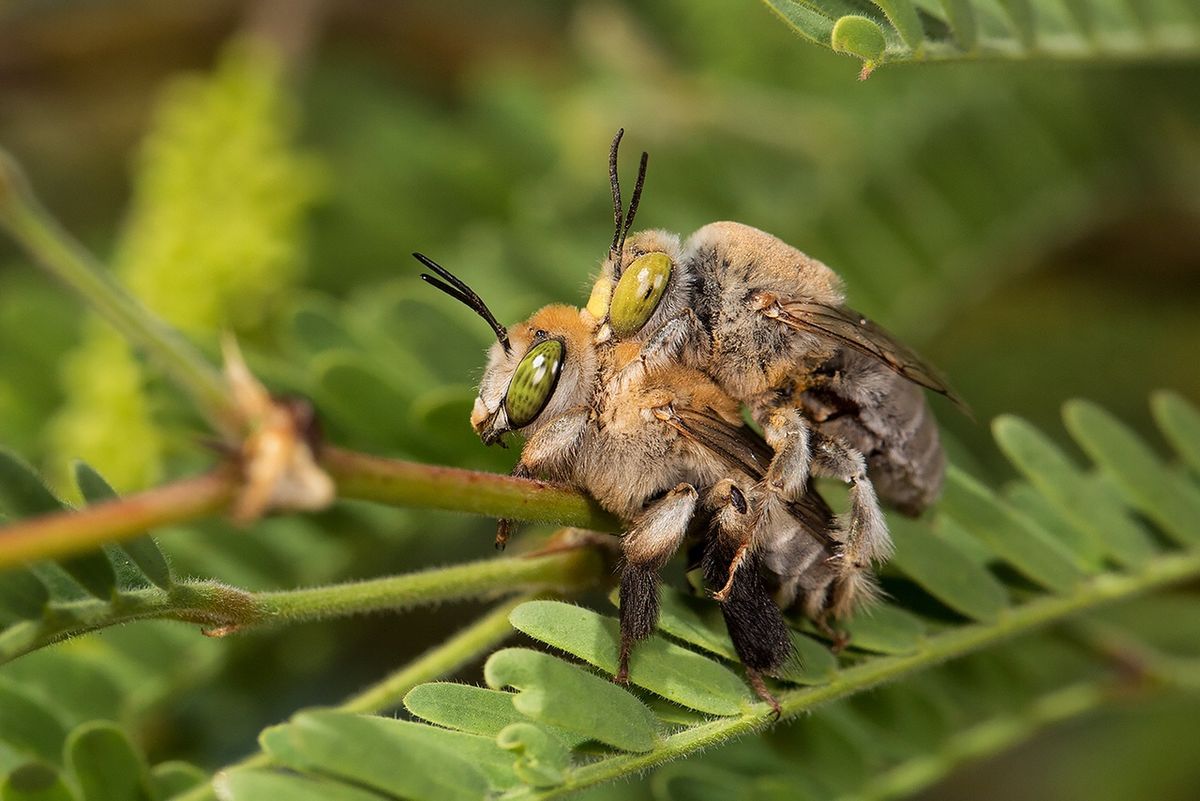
column 533, row 382
column 638, row 292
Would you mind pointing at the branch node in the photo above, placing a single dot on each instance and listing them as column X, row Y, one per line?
column 279, row 452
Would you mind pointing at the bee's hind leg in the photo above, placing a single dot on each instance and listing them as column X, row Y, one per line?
column 801, row 452
column 760, row 634
column 867, row 539
column 648, row 545
column 787, row 432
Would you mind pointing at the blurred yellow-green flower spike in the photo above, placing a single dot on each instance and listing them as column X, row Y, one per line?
column 215, row 232
column 214, row 236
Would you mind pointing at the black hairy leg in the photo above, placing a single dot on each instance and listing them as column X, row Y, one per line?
column 651, row 541
column 760, row 634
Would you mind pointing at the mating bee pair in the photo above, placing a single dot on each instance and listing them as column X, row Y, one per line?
column 637, row 399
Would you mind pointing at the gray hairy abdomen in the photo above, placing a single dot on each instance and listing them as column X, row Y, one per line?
column 893, row 428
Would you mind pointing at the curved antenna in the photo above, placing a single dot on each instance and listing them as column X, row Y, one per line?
column 623, row 222
column 456, row 288
column 615, row 183
column 633, row 201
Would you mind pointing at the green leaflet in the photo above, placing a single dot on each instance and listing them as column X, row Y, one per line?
column 1074, row 495
column 1008, row 533
column 29, row 726
column 1179, row 422
column 945, row 572
column 142, row 551
column 22, row 595
column 904, row 18
column 858, row 36
column 1087, row 553
column 885, row 628
column 392, row 756
column 554, row 692
column 169, row 779
column 1145, row 482
column 542, row 759
column 476, row 710
column 35, row 781
column 658, row 665
column 254, row 784
column 105, row 764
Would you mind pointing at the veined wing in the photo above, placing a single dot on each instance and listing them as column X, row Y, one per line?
column 739, row 446
column 854, row 330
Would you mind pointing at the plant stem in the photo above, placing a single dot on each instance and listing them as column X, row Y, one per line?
column 61, row 255
column 481, row 636
column 565, row 569
column 64, row 533
column 359, row 476
column 947, row 645
column 392, row 481
column 223, row 610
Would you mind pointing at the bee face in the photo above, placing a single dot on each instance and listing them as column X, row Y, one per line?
column 642, row 289
column 547, row 369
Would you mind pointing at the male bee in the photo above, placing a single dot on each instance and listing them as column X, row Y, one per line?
column 666, row 450
column 835, row 394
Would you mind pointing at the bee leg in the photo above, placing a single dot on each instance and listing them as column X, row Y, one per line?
column 760, row 635
column 838, row 638
column 544, row 454
column 759, row 685
column 867, row 539
column 787, row 477
column 650, row 542
column 665, row 345
column 504, row 525
column 668, row 341
column 787, row 432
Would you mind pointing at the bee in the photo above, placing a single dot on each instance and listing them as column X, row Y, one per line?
column 834, row 393
column 666, row 450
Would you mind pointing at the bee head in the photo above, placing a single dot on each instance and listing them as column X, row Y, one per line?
column 639, row 270
column 535, row 371
column 642, row 283
column 547, row 369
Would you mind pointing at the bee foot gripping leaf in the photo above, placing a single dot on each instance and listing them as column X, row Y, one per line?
column 278, row 453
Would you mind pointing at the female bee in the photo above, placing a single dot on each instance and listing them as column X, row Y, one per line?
column 666, row 450
column 835, row 394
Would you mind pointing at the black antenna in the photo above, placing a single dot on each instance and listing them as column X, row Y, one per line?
column 623, row 222
column 615, row 182
column 456, row 288
column 633, row 201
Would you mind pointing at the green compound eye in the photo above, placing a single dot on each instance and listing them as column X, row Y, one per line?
column 638, row 292
column 533, row 383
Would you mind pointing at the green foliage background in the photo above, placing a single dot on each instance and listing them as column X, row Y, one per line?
column 1031, row 226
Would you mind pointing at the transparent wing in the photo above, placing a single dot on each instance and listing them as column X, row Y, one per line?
column 739, row 446
column 854, row 330
column 743, row 449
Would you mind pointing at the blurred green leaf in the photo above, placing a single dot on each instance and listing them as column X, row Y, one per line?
column 945, row 573
column 1146, row 483
column 105, row 764
column 915, row 31
column 35, row 781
